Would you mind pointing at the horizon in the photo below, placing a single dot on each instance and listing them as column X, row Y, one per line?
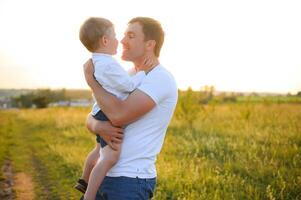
column 234, row 46
column 181, row 89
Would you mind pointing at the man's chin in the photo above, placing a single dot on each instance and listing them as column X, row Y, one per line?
column 125, row 58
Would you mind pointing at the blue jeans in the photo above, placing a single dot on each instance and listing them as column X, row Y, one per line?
column 125, row 188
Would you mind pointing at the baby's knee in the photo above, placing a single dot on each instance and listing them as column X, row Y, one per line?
column 112, row 157
column 93, row 157
column 91, row 162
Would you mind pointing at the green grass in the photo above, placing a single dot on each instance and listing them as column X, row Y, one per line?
column 234, row 151
column 270, row 99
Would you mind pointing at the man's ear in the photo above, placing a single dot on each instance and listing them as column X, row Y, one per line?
column 150, row 44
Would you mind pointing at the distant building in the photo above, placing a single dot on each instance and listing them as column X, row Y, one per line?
column 82, row 103
column 73, row 103
column 5, row 103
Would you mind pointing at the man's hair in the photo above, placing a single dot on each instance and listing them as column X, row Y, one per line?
column 92, row 30
column 152, row 30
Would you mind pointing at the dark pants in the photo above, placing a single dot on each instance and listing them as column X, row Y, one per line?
column 101, row 117
column 125, row 188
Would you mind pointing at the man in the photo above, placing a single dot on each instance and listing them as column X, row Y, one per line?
column 146, row 113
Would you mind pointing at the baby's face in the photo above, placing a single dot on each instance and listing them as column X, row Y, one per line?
column 112, row 42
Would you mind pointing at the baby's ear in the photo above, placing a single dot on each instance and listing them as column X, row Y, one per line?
column 104, row 40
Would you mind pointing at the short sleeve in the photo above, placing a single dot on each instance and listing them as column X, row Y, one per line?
column 158, row 86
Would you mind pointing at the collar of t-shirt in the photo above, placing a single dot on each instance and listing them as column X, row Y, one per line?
column 152, row 69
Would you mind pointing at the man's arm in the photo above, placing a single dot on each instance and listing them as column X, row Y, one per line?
column 119, row 112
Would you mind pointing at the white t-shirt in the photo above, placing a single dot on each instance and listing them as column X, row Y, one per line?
column 113, row 78
column 143, row 139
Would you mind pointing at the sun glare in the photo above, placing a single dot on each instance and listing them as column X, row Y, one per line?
column 233, row 45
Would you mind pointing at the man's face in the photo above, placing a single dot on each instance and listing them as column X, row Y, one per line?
column 133, row 43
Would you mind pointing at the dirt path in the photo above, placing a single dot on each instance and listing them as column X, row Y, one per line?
column 6, row 182
column 24, row 187
column 15, row 186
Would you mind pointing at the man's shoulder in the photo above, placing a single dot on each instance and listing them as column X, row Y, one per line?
column 162, row 75
column 159, row 84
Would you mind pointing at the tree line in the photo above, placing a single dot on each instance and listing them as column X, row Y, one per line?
column 39, row 98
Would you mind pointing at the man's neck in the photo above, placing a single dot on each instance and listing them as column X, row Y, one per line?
column 139, row 65
column 152, row 67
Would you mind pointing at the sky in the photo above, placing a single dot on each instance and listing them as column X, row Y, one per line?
column 234, row 45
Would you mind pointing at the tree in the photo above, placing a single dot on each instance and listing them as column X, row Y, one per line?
column 188, row 108
column 24, row 100
column 206, row 94
column 43, row 97
column 41, row 102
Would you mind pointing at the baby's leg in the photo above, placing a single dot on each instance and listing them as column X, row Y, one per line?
column 110, row 157
column 90, row 162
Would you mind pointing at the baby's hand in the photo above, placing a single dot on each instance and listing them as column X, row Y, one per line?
column 148, row 62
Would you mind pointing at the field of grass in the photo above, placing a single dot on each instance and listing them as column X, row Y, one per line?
column 234, row 151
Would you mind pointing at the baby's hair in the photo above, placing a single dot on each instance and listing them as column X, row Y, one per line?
column 92, row 30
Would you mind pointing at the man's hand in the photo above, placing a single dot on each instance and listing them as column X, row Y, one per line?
column 105, row 130
column 89, row 72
